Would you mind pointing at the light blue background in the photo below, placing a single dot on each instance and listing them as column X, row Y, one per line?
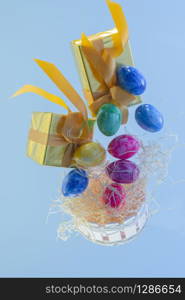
column 43, row 29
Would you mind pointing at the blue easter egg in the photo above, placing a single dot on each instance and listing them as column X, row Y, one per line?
column 131, row 80
column 149, row 118
column 109, row 119
column 75, row 183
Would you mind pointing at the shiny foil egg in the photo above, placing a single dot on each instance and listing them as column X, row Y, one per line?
column 114, row 196
column 131, row 80
column 109, row 119
column 149, row 118
column 124, row 146
column 123, row 171
column 75, row 183
column 89, row 155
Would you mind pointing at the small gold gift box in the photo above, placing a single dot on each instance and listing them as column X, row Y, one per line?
column 116, row 44
column 46, row 144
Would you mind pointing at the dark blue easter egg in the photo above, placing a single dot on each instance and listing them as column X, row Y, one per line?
column 109, row 119
column 131, row 80
column 75, row 183
column 149, row 118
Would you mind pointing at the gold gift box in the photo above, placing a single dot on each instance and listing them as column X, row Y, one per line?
column 90, row 84
column 40, row 146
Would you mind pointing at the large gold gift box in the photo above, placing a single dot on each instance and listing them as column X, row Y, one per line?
column 90, row 84
column 45, row 146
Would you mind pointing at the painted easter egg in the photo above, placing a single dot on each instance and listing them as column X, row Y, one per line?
column 131, row 80
column 149, row 118
column 124, row 146
column 75, row 183
column 89, row 155
column 123, row 171
column 109, row 119
column 114, row 195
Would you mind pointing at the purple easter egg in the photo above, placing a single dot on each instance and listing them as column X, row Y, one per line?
column 124, row 146
column 123, row 171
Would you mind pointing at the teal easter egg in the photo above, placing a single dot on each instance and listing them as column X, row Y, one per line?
column 109, row 119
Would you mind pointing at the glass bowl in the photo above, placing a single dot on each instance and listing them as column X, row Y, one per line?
column 115, row 233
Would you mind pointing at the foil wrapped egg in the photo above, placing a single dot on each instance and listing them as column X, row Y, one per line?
column 89, row 155
column 149, row 118
column 131, row 80
column 75, row 183
column 109, row 119
column 123, row 171
column 114, row 196
column 124, row 146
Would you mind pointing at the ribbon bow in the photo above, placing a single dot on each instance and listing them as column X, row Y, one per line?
column 103, row 65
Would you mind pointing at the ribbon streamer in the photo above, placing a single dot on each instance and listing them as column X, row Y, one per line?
column 62, row 83
column 43, row 93
column 121, row 38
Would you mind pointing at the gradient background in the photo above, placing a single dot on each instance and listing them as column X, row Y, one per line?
column 43, row 29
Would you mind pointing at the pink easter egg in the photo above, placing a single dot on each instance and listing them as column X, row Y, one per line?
column 124, row 146
column 114, row 196
column 123, row 171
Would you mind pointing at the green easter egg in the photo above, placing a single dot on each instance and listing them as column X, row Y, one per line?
column 109, row 119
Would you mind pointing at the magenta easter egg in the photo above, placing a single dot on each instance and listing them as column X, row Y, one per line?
column 114, row 196
column 123, row 171
column 124, row 146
